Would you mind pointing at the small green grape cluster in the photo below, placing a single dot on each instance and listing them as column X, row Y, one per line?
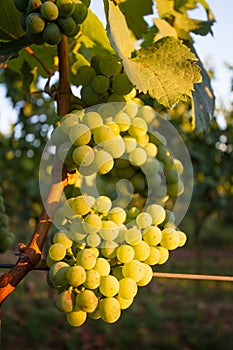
column 6, row 237
column 104, row 81
column 98, row 261
column 46, row 20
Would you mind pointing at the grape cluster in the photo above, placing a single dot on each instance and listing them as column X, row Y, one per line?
column 46, row 20
column 106, row 244
column 104, row 80
column 6, row 237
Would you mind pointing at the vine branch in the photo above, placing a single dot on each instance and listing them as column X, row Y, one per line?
column 30, row 255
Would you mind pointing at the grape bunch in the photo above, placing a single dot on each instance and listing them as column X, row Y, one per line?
column 46, row 20
column 104, row 80
column 6, row 237
column 117, row 227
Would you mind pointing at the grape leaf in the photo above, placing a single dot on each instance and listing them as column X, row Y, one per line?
column 9, row 50
column 10, row 27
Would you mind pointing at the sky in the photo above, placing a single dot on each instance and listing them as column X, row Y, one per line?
column 215, row 51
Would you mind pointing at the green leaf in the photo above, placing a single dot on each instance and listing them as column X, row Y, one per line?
column 11, row 49
column 10, row 27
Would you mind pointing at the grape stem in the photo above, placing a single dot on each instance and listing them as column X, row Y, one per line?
column 30, row 255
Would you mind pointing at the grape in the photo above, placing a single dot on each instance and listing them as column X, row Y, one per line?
column 84, row 75
column 133, row 213
column 64, row 301
column 103, row 133
column 103, row 204
column 178, row 166
column 154, row 256
column 138, row 156
column 92, row 120
column 116, row 98
column 143, row 140
column 124, row 303
column 61, row 237
column 80, row 134
column 57, row 251
column 107, row 110
column 82, row 204
column 108, row 65
column 157, row 213
column 147, row 277
column 141, row 251
column 123, row 120
column 170, row 239
column 57, row 274
column 103, row 162
column 93, row 279
column 175, row 189
column 33, row 6
column 144, row 220
column 115, row 147
column 76, row 275
column 121, row 84
column 35, row 23
column 109, row 286
column 183, row 238
column 89, row 96
column 100, row 84
column 80, row 12
column 118, row 215
column 83, row 156
column 102, row 266
column 152, row 235
column 21, row 5
column 95, row 61
column 109, row 249
column 114, row 126
column 164, row 255
column 109, row 230
column 131, row 109
column 52, row 34
column 151, row 150
column 133, row 269
column 139, row 183
column 86, row 258
column 49, row 11
column 172, row 177
column 138, row 127
column 93, row 240
column 110, row 310
column 67, row 25
column 127, row 288
column 76, row 317
column 92, row 223
column 125, row 253
column 151, row 167
column 87, row 301
column 65, row 7
column 130, row 144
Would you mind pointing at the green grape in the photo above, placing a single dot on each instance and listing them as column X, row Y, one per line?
column 168, row 162
column 103, row 162
column 130, row 144
column 57, row 274
column 183, row 238
column 92, row 223
column 57, row 251
column 151, row 167
column 116, row 98
column 121, row 84
column 109, row 230
column 83, row 155
column 64, row 301
column 170, row 218
column 93, row 279
column 109, row 249
column 115, row 147
column 138, row 156
column 59, row 217
column 61, row 237
column 65, row 7
column 118, row 215
column 21, row 5
column 92, row 120
column 170, row 239
column 80, row 12
column 107, row 110
column 76, row 275
column 133, row 269
column 82, row 204
column 49, row 11
column 164, row 255
column 100, row 84
column 138, row 127
column 172, row 177
column 141, row 251
column 139, row 182
column 127, row 288
column 147, row 113
column 123, row 120
column 110, row 310
column 35, row 23
column 178, row 166
column 154, row 256
column 93, row 240
column 87, row 301
column 152, row 235
column 103, row 204
column 125, row 253
column 131, row 109
column 109, row 286
column 144, row 220
column 77, row 317
column 103, row 133
column 33, row 6
column 52, row 34
column 80, row 134
column 86, row 258
column 67, row 26
column 108, row 65
column 89, row 96
column 102, row 266
column 157, row 213
column 95, row 61
column 4, row 220
column 175, row 189
column 147, row 277
column 151, row 150
column 124, row 303
column 85, row 75
column 158, row 139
